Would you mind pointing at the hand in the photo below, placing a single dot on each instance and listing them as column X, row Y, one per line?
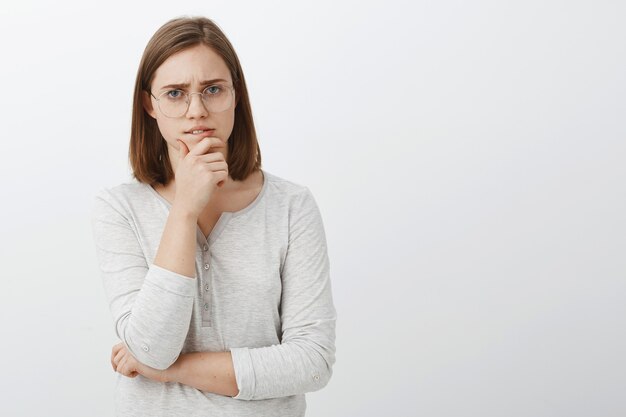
column 125, row 363
column 199, row 172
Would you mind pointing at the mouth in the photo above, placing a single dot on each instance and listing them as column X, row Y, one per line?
column 201, row 133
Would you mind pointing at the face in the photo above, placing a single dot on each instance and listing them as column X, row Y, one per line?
column 191, row 66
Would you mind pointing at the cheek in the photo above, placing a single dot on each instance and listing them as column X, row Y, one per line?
column 167, row 130
column 227, row 122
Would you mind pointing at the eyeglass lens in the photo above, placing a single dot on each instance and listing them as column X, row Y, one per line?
column 216, row 98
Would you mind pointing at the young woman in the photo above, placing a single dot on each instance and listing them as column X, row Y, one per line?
column 216, row 271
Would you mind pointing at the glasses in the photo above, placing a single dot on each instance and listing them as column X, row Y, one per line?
column 216, row 98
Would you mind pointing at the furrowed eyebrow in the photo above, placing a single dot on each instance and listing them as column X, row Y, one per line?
column 205, row 82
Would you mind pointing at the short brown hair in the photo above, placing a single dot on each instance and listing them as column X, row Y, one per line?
column 148, row 152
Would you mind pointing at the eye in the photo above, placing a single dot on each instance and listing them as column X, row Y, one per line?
column 213, row 89
column 174, row 96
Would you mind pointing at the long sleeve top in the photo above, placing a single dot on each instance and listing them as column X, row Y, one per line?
column 262, row 291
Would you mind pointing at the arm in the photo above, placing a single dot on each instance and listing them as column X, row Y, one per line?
column 206, row 371
column 151, row 305
column 303, row 361
column 177, row 249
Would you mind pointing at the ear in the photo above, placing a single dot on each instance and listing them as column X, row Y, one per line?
column 147, row 104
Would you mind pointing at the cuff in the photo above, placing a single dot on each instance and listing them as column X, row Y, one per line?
column 244, row 373
column 171, row 281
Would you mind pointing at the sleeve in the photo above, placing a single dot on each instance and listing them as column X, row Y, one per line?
column 303, row 361
column 151, row 306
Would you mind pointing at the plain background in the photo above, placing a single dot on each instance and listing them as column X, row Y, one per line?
column 467, row 157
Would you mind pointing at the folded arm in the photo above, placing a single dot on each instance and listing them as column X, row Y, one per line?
column 151, row 305
column 303, row 361
column 206, row 371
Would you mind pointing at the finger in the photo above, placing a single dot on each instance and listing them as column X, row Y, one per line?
column 212, row 157
column 118, row 358
column 115, row 349
column 126, row 366
column 183, row 149
column 219, row 169
column 130, row 367
column 216, row 162
column 120, row 353
column 121, row 367
column 208, row 144
column 220, row 177
column 217, row 165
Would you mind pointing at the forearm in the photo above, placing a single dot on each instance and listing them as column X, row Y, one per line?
column 177, row 248
column 206, row 371
column 150, row 304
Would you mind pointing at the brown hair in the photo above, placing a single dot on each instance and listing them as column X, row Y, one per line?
column 148, row 153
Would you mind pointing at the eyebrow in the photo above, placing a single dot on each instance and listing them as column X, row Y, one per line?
column 185, row 85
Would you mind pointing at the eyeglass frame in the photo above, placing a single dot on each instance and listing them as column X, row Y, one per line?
column 188, row 100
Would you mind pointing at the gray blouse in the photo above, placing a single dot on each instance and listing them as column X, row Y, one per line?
column 262, row 291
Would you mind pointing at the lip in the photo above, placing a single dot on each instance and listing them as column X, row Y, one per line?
column 202, row 135
column 198, row 127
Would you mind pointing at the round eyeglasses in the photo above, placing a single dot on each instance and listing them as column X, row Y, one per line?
column 216, row 98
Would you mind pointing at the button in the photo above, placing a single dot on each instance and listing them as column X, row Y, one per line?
column 206, row 287
column 205, row 247
column 206, row 306
column 316, row 377
column 145, row 347
column 206, row 266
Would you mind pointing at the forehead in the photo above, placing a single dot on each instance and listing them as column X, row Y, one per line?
column 191, row 65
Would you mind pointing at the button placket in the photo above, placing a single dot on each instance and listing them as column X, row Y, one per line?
column 206, row 256
column 206, row 294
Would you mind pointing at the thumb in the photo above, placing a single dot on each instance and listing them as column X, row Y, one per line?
column 183, row 149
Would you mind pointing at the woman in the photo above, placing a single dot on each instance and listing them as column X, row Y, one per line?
column 216, row 271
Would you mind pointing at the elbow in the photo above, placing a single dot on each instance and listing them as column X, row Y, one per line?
column 325, row 378
column 315, row 368
column 322, row 372
column 291, row 368
column 317, row 356
column 156, row 355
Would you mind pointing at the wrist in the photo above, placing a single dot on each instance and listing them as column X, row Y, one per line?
column 165, row 376
column 183, row 212
column 170, row 374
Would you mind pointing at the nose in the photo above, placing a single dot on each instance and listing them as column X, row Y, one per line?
column 196, row 107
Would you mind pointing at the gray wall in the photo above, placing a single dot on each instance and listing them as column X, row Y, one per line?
column 467, row 157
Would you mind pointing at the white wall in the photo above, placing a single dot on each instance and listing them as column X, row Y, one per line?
column 467, row 157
